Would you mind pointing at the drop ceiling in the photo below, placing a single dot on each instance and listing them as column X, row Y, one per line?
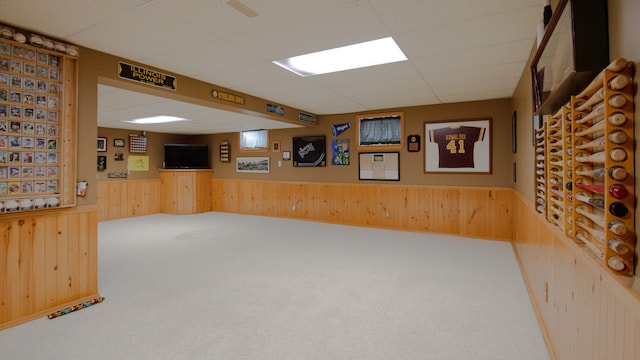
column 458, row 50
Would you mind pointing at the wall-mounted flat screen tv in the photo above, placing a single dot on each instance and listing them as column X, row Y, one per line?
column 186, row 156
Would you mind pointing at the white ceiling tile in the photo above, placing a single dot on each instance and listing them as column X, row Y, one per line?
column 478, row 75
column 458, row 50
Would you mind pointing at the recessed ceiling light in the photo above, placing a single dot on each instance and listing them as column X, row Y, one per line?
column 156, row 120
column 370, row 53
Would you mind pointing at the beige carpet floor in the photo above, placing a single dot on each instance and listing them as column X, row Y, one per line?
column 227, row 286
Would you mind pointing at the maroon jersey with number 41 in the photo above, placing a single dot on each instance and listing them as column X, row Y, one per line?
column 455, row 145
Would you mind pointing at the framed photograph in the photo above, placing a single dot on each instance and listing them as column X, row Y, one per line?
column 102, row 162
column 379, row 166
column 286, row 155
column 340, row 153
column 252, row 164
column 276, row 146
column 102, row 144
column 462, row 146
column 309, row 151
column 118, row 142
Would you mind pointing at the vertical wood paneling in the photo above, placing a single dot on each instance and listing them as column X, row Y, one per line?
column 464, row 211
column 47, row 259
column 119, row 199
column 591, row 313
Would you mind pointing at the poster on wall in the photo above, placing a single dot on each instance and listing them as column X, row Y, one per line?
column 340, row 152
column 379, row 166
column 309, row 151
column 138, row 163
column 458, row 147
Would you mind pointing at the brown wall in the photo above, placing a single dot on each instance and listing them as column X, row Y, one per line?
column 155, row 152
column 411, row 163
column 101, row 68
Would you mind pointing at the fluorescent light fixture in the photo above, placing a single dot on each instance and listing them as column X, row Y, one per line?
column 370, row 53
column 161, row 119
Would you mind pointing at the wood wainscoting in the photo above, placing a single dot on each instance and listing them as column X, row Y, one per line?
column 48, row 261
column 587, row 312
column 468, row 211
column 119, row 199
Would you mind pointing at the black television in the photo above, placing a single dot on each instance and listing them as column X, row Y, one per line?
column 186, row 156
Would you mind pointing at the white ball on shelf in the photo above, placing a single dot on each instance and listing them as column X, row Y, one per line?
column 19, row 37
column 26, row 204
column 53, row 201
column 11, row 204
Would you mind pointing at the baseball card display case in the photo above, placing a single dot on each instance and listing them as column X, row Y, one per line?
column 585, row 177
column 38, row 106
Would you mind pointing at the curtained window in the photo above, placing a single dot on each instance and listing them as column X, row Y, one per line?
column 381, row 130
column 254, row 140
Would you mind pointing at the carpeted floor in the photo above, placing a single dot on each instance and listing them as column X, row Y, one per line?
column 226, row 286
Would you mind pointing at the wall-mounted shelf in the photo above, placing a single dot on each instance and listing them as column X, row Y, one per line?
column 589, row 178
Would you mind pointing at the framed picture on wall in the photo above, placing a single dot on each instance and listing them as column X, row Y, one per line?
column 462, row 146
column 309, row 151
column 252, row 164
column 102, row 162
column 118, row 142
column 379, row 166
column 102, row 144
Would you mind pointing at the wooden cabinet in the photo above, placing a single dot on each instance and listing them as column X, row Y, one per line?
column 185, row 191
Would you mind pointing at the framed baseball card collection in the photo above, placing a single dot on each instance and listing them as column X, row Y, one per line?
column 458, row 146
column 38, row 103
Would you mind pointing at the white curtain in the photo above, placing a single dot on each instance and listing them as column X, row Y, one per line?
column 380, row 131
column 253, row 139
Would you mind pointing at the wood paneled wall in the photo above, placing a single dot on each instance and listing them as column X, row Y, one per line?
column 47, row 261
column 467, row 211
column 588, row 313
column 128, row 198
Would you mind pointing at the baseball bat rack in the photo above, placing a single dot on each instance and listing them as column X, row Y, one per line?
column 585, row 176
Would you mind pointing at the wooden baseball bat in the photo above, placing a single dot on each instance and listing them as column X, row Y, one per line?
column 615, row 66
column 597, row 97
column 597, row 158
column 617, row 119
column 618, row 246
column 617, row 101
column 600, row 157
column 596, row 202
column 617, row 227
column 595, row 128
column 598, row 189
column 596, row 143
column 597, row 219
column 597, row 173
column 596, row 112
column 598, row 235
column 618, row 137
column 599, row 253
column 618, row 173
column 619, row 82
column 616, row 263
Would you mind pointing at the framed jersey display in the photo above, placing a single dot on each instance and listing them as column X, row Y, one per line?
column 458, row 146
